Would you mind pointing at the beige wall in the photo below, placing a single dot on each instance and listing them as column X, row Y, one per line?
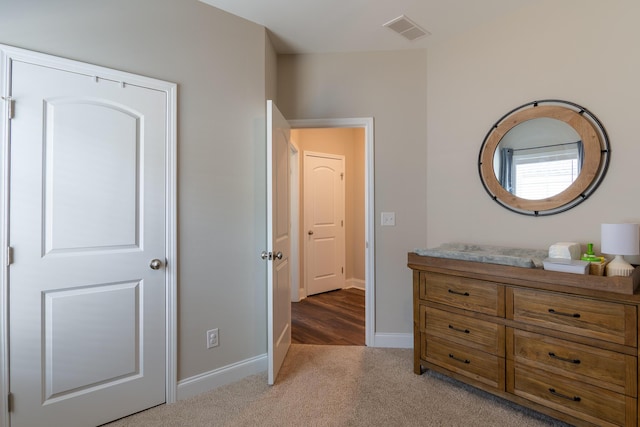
column 348, row 142
column 218, row 62
column 391, row 88
column 583, row 51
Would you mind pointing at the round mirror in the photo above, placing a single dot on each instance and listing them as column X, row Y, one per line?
column 544, row 157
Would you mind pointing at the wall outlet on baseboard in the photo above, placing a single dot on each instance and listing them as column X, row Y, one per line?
column 212, row 338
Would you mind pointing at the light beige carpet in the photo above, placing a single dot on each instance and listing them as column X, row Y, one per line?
column 342, row 386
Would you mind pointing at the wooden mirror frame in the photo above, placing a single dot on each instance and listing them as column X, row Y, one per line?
column 595, row 162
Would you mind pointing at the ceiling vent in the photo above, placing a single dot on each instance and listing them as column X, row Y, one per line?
column 406, row 28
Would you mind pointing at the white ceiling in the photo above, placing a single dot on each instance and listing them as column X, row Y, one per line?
column 314, row 26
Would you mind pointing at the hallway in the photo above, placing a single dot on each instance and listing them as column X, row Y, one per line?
column 330, row 318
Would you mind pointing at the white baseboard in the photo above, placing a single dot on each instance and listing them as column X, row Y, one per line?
column 392, row 340
column 354, row 283
column 218, row 377
column 236, row 371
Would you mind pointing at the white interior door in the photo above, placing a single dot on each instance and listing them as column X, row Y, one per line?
column 324, row 213
column 278, row 241
column 87, row 334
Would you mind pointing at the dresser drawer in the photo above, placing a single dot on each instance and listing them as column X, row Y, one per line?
column 593, row 404
column 462, row 292
column 607, row 369
column 602, row 320
column 477, row 365
column 474, row 333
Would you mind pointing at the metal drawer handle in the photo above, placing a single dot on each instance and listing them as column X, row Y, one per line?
column 466, row 331
column 564, row 396
column 564, row 359
column 559, row 313
column 464, row 294
column 467, row 361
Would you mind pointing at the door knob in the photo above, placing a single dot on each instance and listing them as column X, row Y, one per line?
column 155, row 264
column 310, row 232
column 270, row 255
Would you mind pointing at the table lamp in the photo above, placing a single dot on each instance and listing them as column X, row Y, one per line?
column 620, row 240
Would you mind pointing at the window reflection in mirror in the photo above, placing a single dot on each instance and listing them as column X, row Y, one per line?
column 538, row 158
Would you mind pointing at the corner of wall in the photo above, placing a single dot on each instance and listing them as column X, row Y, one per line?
column 271, row 68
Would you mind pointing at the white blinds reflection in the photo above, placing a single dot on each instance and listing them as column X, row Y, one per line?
column 545, row 173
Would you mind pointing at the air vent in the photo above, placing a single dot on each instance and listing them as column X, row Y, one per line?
column 406, row 28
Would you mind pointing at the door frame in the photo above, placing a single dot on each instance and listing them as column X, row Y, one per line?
column 367, row 124
column 9, row 54
column 294, row 156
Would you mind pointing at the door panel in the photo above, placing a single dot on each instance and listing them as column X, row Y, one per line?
column 278, row 241
column 79, row 357
column 324, row 214
column 109, row 162
column 87, row 215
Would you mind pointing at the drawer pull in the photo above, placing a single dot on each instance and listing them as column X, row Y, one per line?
column 564, row 396
column 464, row 294
column 466, row 331
column 467, row 361
column 564, row 359
column 559, row 313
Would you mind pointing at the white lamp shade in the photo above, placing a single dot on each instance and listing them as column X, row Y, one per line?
column 620, row 239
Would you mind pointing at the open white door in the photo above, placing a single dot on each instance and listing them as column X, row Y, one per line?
column 278, row 241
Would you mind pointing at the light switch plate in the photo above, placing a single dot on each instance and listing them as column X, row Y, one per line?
column 388, row 219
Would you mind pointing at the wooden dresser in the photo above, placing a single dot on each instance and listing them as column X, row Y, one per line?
column 563, row 344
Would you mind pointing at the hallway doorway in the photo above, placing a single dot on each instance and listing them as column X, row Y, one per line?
column 352, row 138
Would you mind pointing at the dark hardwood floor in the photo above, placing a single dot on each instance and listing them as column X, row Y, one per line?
column 330, row 318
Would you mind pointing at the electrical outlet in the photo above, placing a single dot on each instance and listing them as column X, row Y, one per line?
column 212, row 338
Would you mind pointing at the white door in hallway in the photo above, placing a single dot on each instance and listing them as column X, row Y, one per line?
column 324, row 213
column 278, row 241
column 87, row 228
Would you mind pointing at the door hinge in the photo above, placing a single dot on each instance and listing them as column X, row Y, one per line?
column 9, row 255
column 342, row 223
column 11, row 108
column 10, row 402
column 342, row 176
column 342, row 270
